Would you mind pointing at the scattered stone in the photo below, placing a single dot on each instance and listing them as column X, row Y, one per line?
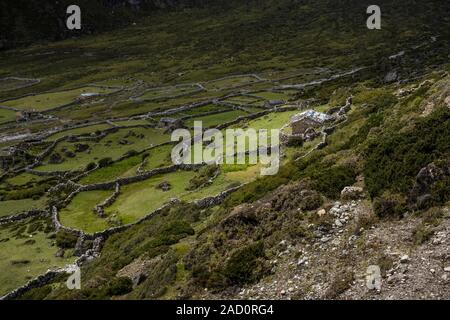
column 404, row 259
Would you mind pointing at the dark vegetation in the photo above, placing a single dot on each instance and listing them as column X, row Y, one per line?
column 394, row 160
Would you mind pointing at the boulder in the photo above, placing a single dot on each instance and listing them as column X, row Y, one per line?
column 164, row 186
column 420, row 195
column 351, row 193
column 55, row 158
column 392, row 76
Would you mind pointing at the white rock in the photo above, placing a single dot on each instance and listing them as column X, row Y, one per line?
column 447, row 269
column 404, row 258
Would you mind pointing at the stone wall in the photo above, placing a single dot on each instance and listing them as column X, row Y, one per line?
column 138, row 178
column 216, row 200
column 22, row 216
column 100, row 208
column 37, row 282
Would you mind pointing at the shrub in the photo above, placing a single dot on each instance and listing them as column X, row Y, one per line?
column 339, row 285
column 90, row 166
column 243, row 265
column 119, row 286
column 389, row 206
column 422, row 233
column 104, row 162
column 331, row 181
column 393, row 161
column 178, row 228
column 131, row 153
column 205, row 174
column 66, row 239
column 311, row 202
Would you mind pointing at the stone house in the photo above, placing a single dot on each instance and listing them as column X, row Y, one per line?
column 170, row 123
column 308, row 119
column 273, row 103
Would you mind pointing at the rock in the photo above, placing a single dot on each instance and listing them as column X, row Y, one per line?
column 391, row 77
column 351, row 193
column 321, row 212
column 164, row 186
column 80, row 147
column 59, row 253
column 404, row 259
column 419, row 196
column 302, row 261
column 338, row 223
column 447, row 269
column 70, row 154
column 55, row 158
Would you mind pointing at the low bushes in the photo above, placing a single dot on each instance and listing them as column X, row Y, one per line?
column 119, row 286
column 393, row 161
column 205, row 174
column 245, row 265
column 66, row 239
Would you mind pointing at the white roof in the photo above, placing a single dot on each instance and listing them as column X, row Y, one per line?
column 311, row 114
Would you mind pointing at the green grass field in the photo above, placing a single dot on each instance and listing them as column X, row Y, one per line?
column 159, row 157
column 243, row 100
column 269, row 95
column 7, row 115
column 79, row 213
column 24, row 178
column 11, row 84
column 216, row 119
column 169, row 92
column 128, row 123
column 141, row 198
column 113, row 145
column 80, row 131
column 12, row 207
column 26, row 254
column 47, row 101
column 121, row 169
column 230, row 82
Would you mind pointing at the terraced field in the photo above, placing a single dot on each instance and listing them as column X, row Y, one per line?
column 27, row 249
column 77, row 155
column 7, row 115
column 48, row 101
